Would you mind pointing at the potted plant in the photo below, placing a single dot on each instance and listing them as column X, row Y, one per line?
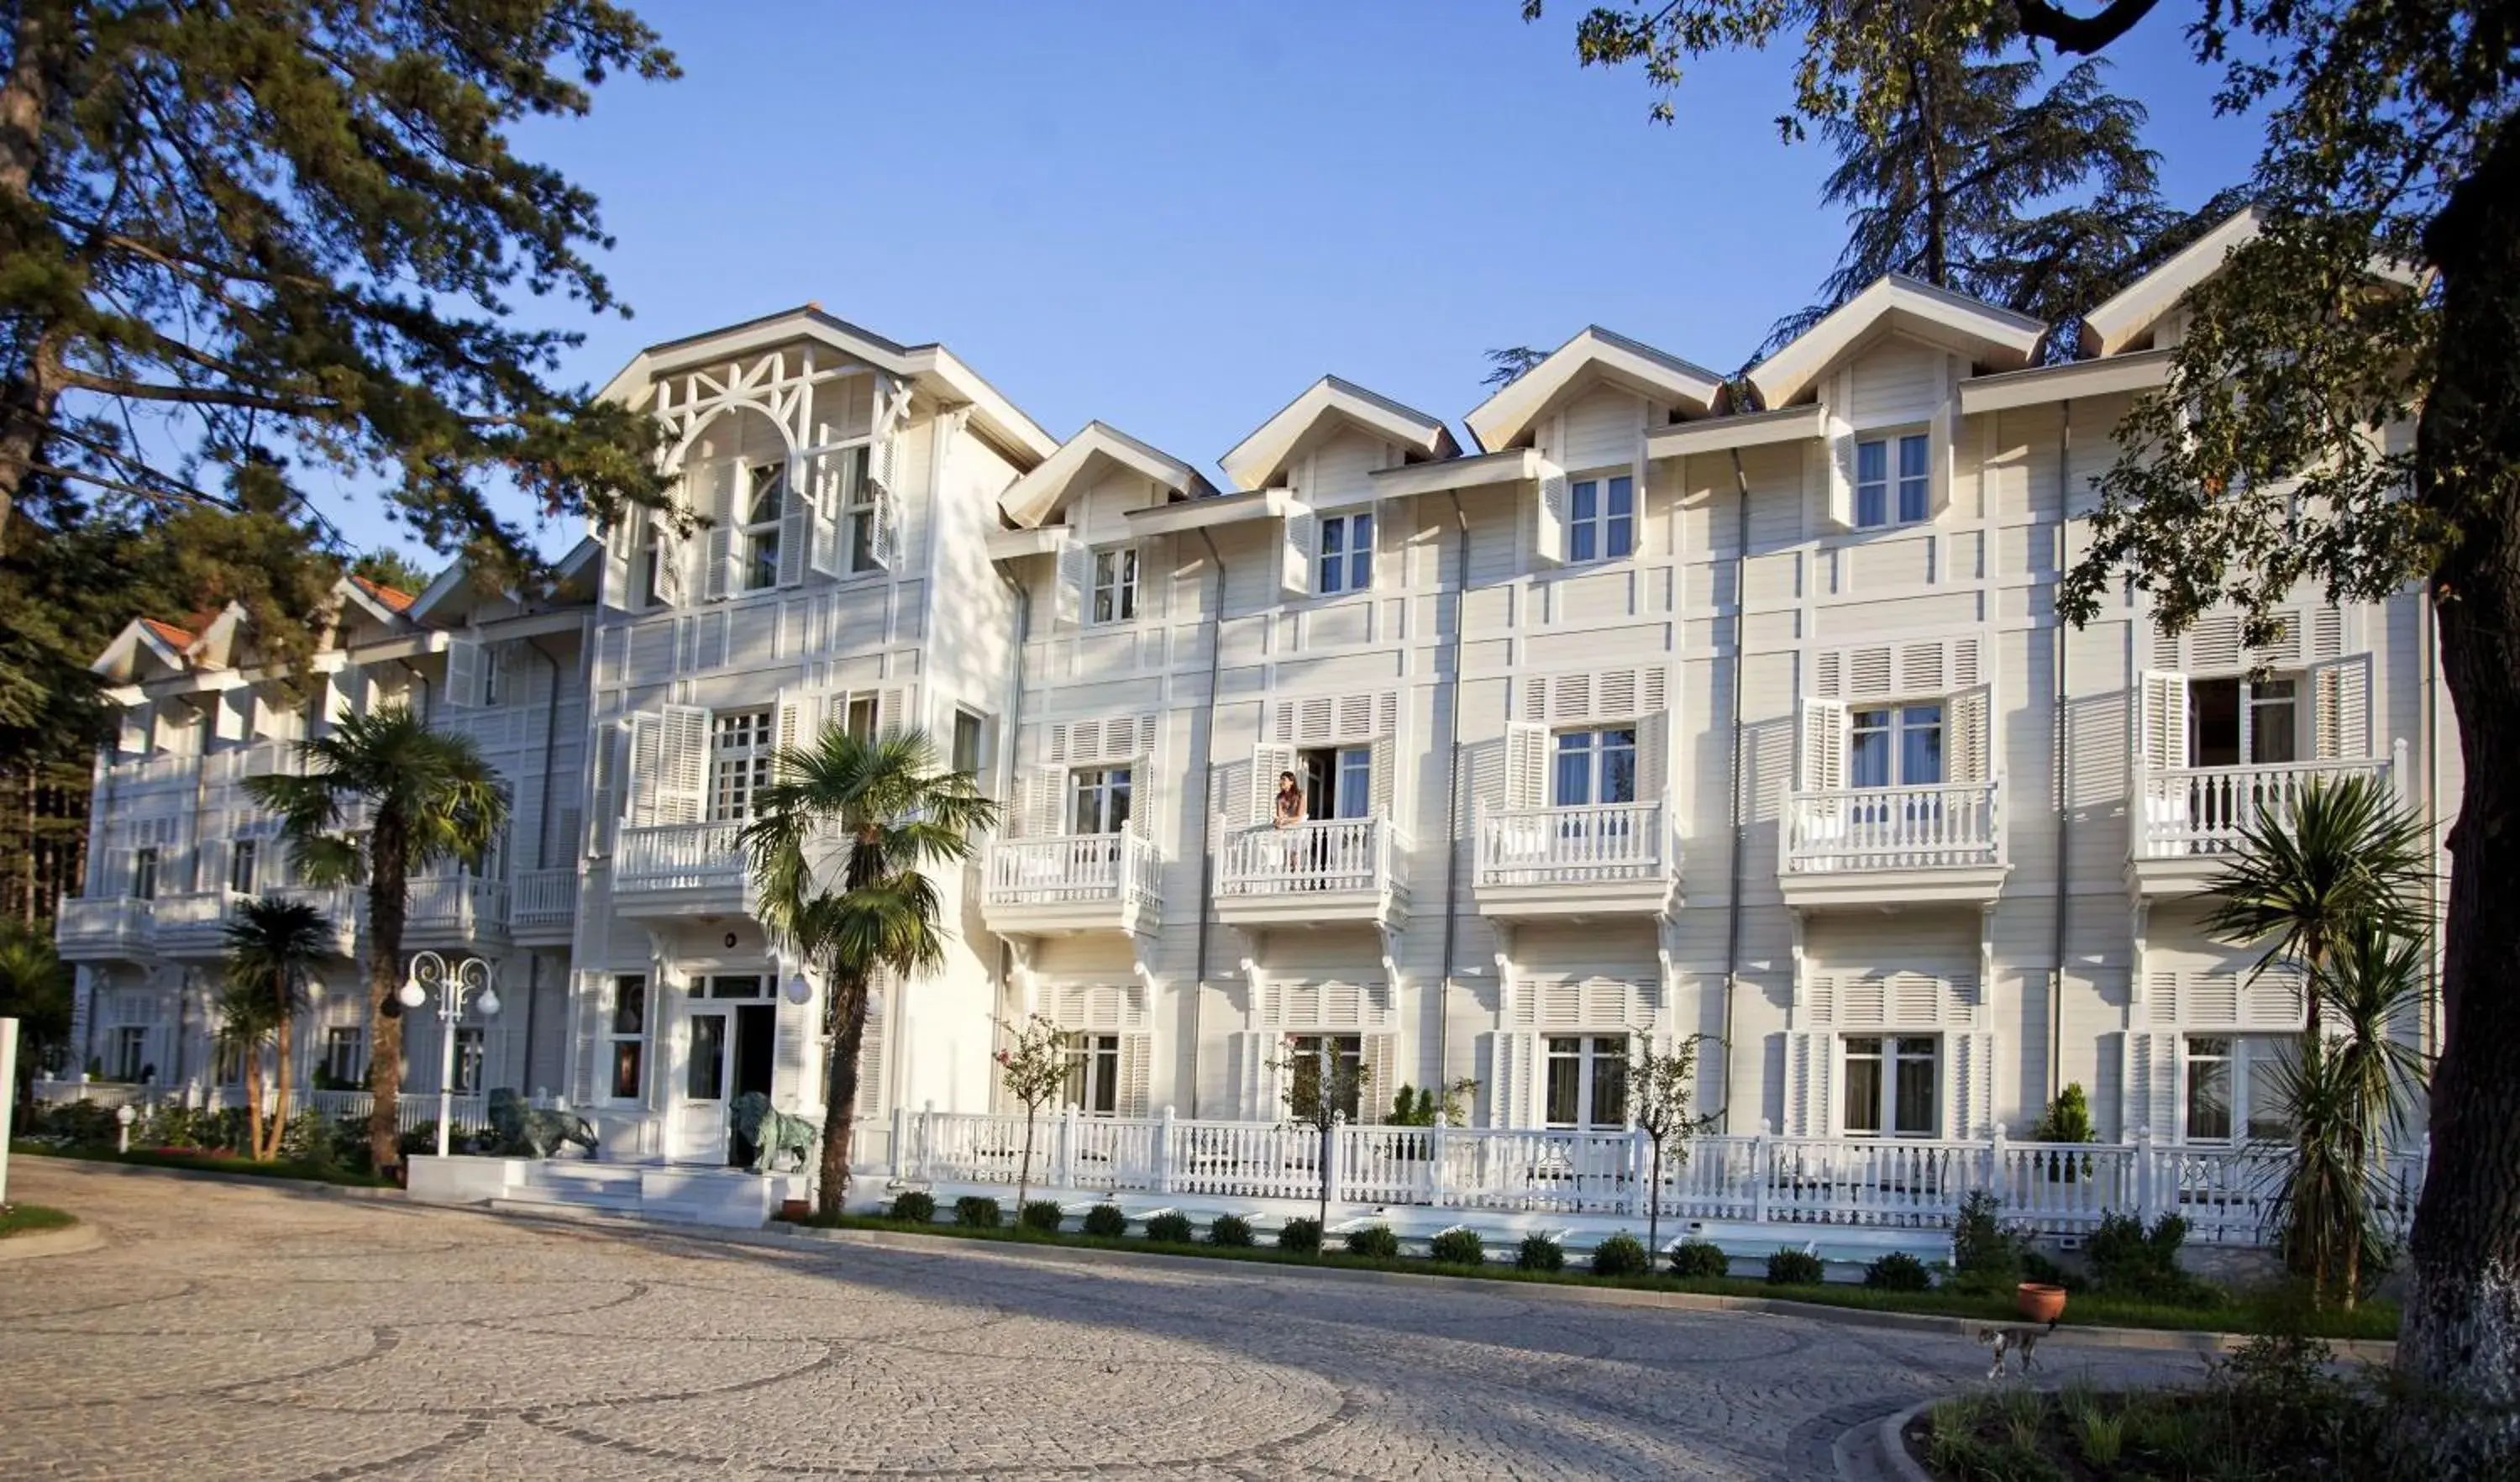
column 2040, row 1302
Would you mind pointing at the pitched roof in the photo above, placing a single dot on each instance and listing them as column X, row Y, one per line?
column 1987, row 334
column 1594, row 353
column 1095, row 448
column 181, row 638
column 1264, row 455
column 2132, row 312
column 393, row 597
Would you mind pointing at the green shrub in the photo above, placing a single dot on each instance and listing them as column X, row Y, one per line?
column 1621, row 1255
column 1169, row 1229
column 1230, row 1229
column 1043, row 1215
column 80, row 1124
column 1540, row 1253
column 2130, row 1261
column 1458, row 1247
column 913, row 1207
column 1106, row 1220
column 1699, row 1261
column 978, row 1212
column 1897, row 1271
column 1789, row 1267
column 1302, row 1236
column 1986, row 1257
column 1375, row 1242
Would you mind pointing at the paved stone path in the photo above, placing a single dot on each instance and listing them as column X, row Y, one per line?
column 239, row 1332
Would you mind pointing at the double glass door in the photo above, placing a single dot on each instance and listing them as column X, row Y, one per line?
column 731, row 1043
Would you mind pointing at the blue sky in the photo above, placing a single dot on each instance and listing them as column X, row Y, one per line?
column 1174, row 217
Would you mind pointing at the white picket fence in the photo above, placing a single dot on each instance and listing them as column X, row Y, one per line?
column 2225, row 1193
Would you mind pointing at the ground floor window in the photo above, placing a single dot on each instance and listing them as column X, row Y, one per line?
column 472, row 1046
column 130, row 1049
column 341, row 1045
column 627, row 1034
column 229, row 1067
column 1891, row 1084
column 1341, row 1055
column 1588, row 1082
column 2234, row 1084
column 1094, row 1074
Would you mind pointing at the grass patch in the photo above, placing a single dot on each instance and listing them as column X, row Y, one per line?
column 210, row 1162
column 26, row 1219
column 2374, row 1320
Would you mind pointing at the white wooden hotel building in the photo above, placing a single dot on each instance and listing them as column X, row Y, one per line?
column 1622, row 716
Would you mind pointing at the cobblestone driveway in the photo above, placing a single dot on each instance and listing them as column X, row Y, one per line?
column 238, row 1332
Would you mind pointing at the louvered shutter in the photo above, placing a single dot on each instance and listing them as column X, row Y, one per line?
column 795, row 527
column 604, row 762
column 2149, row 1082
column 1653, row 752
column 1549, row 532
column 464, row 673
column 1938, row 443
column 1819, row 757
column 1968, row 739
column 1380, row 1056
column 1268, row 759
column 1137, row 1073
column 886, row 548
column 1968, row 1084
column 1048, row 802
column 1526, row 766
column 647, row 749
column 792, row 726
column 2162, row 725
column 1809, row 1065
column 682, row 774
column 1841, row 454
column 871, row 1054
column 2341, row 692
column 1299, row 554
column 1515, row 1100
column 1075, row 571
column 671, row 554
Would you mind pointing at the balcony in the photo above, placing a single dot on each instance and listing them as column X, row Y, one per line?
column 195, row 924
column 1079, row 882
column 680, row 870
column 1329, row 870
column 1608, row 859
column 544, row 907
column 1894, row 845
column 343, row 906
column 454, row 907
column 106, row 927
column 2190, row 820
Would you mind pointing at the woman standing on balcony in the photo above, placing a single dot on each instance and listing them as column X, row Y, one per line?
column 1286, row 811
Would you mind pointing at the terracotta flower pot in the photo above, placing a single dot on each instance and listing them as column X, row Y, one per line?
column 794, row 1210
column 2040, row 1302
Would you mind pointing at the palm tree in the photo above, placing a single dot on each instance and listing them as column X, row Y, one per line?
column 273, row 947
column 839, row 843
column 381, row 797
column 247, row 1021
column 2341, row 852
column 35, row 990
column 2372, row 984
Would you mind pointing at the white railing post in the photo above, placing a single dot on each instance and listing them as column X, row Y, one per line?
column 1161, row 1175
column 1995, row 1182
column 926, row 1141
column 1640, row 1173
column 1330, row 1160
column 893, row 1161
column 1063, row 1165
column 1762, row 1171
column 1436, row 1191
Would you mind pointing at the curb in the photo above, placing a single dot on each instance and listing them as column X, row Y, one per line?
column 214, row 1176
column 1890, row 1445
column 52, row 1243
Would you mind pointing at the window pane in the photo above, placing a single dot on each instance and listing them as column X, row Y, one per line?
column 1574, row 769
column 1915, row 497
column 625, row 1069
column 629, row 1005
column 1870, row 505
column 1618, row 767
column 706, row 1079
column 1911, row 455
column 1868, row 753
column 1360, row 557
column 1920, row 745
column 966, row 744
column 1864, row 1087
column 1581, row 542
column 1609, row 1083
column 1619, row 532
column 1623, row 497
column 1871, row 461
column 1915, row 1114
column 1355, row 782
column 1116, row 813
column 2264, row 1101
column 1566, row 1078
column 1585, row 501
column 2209, row 1089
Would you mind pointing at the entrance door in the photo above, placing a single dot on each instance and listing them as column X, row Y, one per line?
column 754, row 1049
column 698, row 1121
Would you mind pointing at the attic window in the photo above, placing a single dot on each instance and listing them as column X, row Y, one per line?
column 1875, row 487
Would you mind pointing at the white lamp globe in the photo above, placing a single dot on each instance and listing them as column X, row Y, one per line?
column 800, row 991
column 412, row 995
column 489, row 1002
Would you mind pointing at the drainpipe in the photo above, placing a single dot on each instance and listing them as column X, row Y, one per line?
column 1453, row 802
column 1013, row 735
column 1741, row 822
column 1206, row 816
column 542, row 849
column 2063, row 762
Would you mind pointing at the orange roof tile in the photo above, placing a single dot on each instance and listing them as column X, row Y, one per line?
column 167, row 631
column 393, row 597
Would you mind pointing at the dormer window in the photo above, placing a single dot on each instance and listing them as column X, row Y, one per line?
column 1878, row 492
column 1601, row 518
column 1115, row 584
column 765, row 498
column 1347, row 553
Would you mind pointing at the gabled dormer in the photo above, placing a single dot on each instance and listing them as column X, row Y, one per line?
column 1882, row 372
column 1322, row 449
column 2150, row 313
column 1078, row 507
column 1656, row 388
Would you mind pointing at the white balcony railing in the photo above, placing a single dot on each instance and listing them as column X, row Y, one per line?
column 1953, row 825
column 1573, row 846
column 105, row 921
column 1074, row 870
column 680, row 857
column 2206, row 810
column 455, row 903
column 545, row 898
column 343, row 906
column 1345, row 854
column 196, row 917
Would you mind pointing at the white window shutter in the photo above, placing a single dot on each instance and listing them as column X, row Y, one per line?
column 671, row 556
column 1938, row 444
column 1549, row 535
column 1048, row 818
column 682, row 773
column 1968, row 744
column 795, row 527
column 1840, row 453
column 1137, row 1073
column 1268, row 759
column 793, row 723
column 647, row 756
column 1381, row 1060
column 464, row 673
column 1301, row 547
column 717, row 563
column 2161, row 738
column 1653, row 752
column 2341, row 690
column 1968, row 1085
column 1820, row 760
column 887, row 527
column 870, row 1054
column 1526, row 766
column 1386, row 753
column 1075, row 571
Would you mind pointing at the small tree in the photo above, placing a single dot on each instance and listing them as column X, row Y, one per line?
column 1318, row 1088
column 1032, row 1070
column 1661, row 1089
column 273, row 947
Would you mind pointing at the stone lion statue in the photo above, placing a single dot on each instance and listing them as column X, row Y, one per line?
column 525, row 1129
column 771, row 1132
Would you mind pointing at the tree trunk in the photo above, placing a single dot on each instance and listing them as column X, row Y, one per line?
column 287, row 1037
column 2459, row 1348
column 1023, row 1175
column 387, row 885
column 251, row 1072
column 1653, row 1205
column 841, row 1091
column 29, row 96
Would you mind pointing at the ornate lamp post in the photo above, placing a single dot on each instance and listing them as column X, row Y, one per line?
column 454, row 985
